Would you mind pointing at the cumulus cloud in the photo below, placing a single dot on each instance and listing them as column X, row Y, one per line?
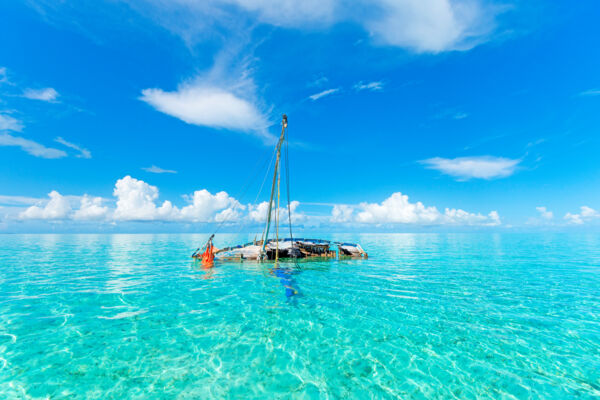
column 574, row 219
column 258, row 213
column 8, row 123
column 324, row 93
column 57, row 208
column 397, row 209
column 206, row 207
column 34, row 148
column 136, row 202
column 157, row 170
column 211, row 106
column 341, row 213
column 91, row 208
column 544, row 213
column 83, row 153
column 46, row 94
column 586, row 214
column 465, row 168
column 372, row 86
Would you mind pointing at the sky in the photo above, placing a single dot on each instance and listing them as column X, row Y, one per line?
column 404, row 115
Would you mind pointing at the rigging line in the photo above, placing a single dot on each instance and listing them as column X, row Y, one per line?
column 266, row 175
column 262, row 185
column 277, row 166
column 243, row 191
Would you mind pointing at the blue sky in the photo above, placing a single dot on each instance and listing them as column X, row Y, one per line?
column 404, row 115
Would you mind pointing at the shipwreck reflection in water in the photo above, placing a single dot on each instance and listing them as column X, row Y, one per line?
column 286, row 278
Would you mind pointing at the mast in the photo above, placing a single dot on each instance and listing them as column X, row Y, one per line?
column 275, row 182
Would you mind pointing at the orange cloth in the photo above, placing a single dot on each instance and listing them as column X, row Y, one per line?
column 208, row 256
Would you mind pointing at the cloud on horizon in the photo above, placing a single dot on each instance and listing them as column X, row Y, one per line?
column 397, row 209
column 586, row 214
column 136, row 200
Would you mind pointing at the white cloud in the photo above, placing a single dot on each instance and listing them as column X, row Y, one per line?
column 544, row 213
column 590, row 92
column 464, row 168
column 135, row 202
column 573, row 219
column 372, row 86
column 289, row 12
column 8, row 123
column 258, row 213
column 420, row 25
column 319, row 81
column 430, row 25
column 18, row 200
column 83, row 153
column 3, row 75
column 324, row 93
column 46, row 94
column 210, row 106
column 461, row 217
column 91, row 209
column 57, row 208
column 342, row 213
column 451, row 113
column 586, row 214
column 31, row 147
column 157, row 170
column 207, row 207
column 397, row 209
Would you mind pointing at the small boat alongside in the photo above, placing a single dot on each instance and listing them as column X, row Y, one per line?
column 276, row 248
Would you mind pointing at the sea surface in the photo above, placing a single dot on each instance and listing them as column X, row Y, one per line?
column 427, row 316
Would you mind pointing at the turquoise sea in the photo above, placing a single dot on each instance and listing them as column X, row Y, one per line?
column 427, row 316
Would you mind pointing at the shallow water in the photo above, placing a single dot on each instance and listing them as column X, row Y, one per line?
column 426, row 316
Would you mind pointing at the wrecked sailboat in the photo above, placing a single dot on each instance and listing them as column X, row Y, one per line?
column 276, row 248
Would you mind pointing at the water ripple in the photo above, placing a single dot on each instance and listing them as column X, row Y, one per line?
column 428, row 316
